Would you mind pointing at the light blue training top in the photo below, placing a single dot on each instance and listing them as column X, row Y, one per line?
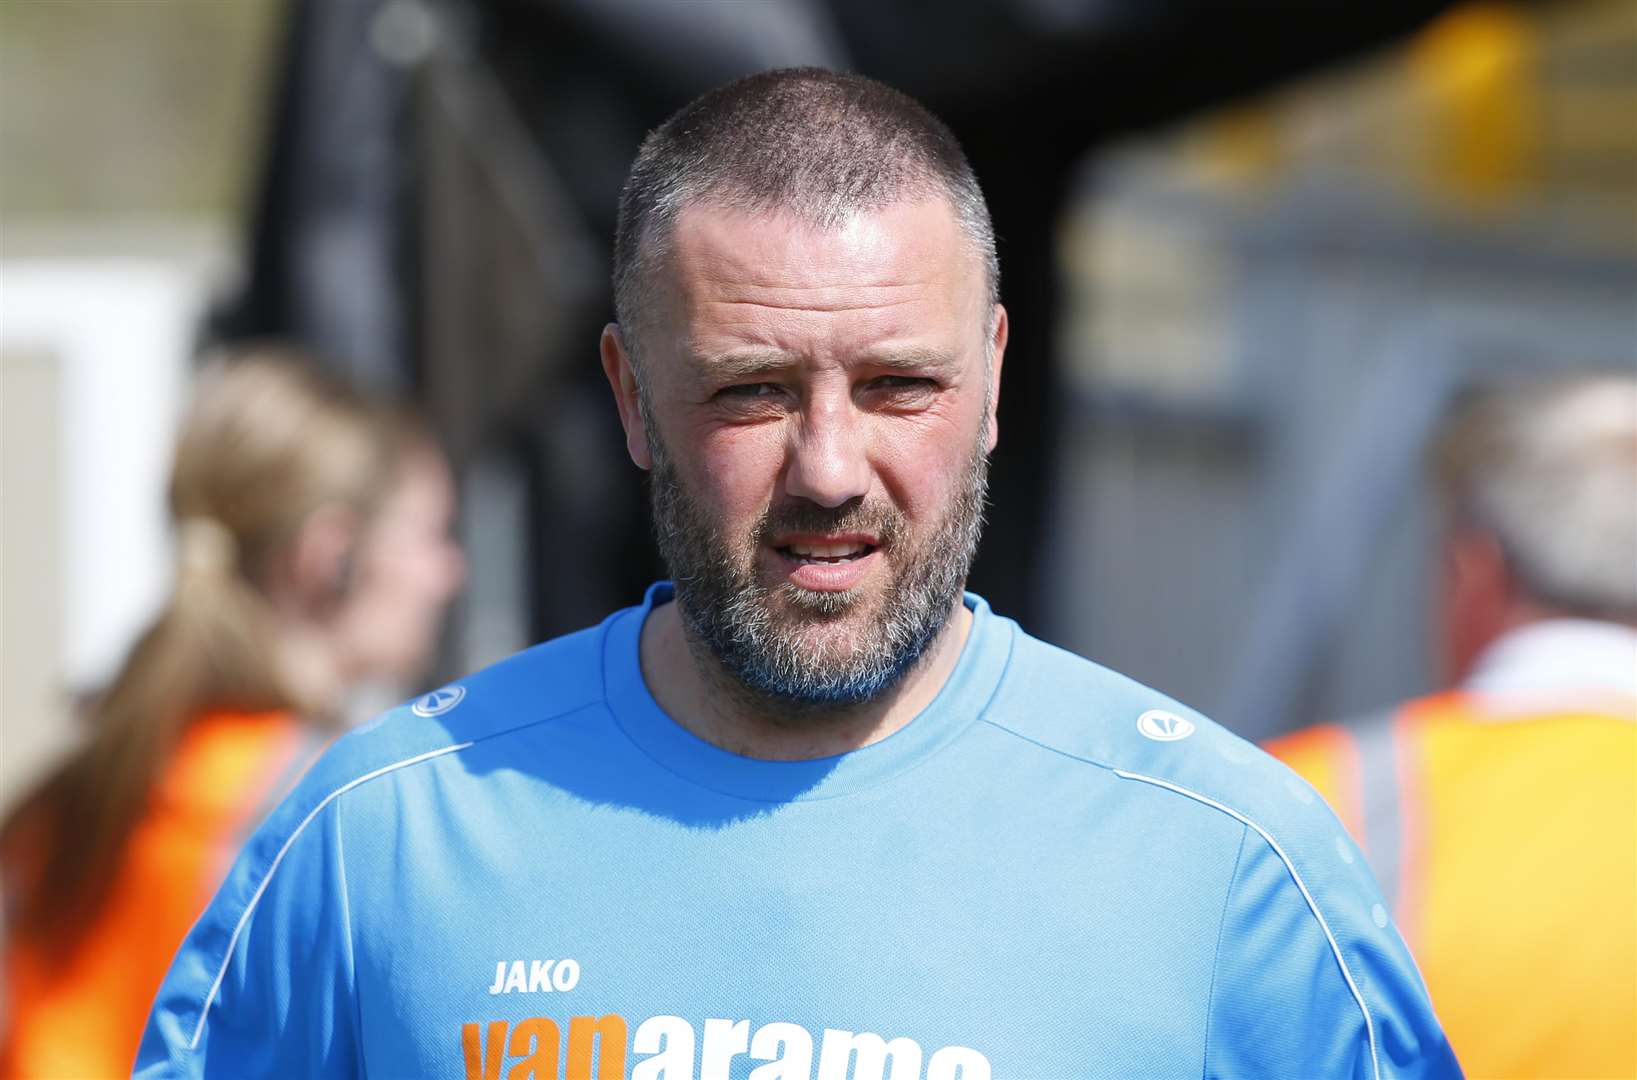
column 1051, row 872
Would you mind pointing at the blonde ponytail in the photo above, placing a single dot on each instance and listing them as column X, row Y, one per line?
column 267, row 441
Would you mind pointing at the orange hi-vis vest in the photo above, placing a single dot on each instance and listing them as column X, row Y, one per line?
column 1503, row 828
column 82, row 1015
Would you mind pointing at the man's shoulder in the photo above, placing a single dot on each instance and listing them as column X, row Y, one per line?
column 1190, row 770
column 1082, row 709
column 545, row 682
column 1077, row 708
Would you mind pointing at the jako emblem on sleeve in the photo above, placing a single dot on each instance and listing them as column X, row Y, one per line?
column 1162, row 726
column 439, row 702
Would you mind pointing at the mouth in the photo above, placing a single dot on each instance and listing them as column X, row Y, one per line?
column 827, row 563
column 839, row 551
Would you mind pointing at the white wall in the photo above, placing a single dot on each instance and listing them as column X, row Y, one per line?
column 118, row 330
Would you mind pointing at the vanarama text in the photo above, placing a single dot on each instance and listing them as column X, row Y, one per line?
column 670, row 1048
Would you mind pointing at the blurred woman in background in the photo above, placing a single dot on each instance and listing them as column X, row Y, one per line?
column 313, row 554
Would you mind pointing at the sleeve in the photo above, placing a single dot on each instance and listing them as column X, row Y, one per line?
column 264, row 983
column 1324, row 756
column 1322, row 992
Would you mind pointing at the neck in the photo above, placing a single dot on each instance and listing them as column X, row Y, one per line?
column 310, row 671
column 693, row 688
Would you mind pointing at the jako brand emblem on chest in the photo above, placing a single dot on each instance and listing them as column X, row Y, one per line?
column 1162, row 726
column 535, row 976
column 438, row 702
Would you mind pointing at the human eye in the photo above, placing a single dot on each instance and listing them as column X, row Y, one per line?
column 901, row 391
column 751, row 401
column 750, row 391
column 903, row 382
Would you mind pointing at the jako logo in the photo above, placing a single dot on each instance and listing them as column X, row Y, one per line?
column 439, row 702
column 1162, row 726
column 538, row 977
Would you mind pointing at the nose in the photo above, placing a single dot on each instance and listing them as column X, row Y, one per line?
column 828, row 463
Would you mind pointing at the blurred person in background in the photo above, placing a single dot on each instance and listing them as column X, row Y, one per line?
column 313, row 553
column 1501, row 815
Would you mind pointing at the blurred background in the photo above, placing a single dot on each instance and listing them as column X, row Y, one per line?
column 1250, row 251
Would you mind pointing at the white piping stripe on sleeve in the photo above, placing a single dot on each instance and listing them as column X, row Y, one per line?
column 1346, row 973
column 244, row 920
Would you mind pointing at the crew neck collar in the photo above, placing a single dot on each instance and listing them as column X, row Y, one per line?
column 959, row 701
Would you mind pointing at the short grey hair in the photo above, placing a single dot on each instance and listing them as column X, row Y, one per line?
column 818, row 144
column 1550, row 469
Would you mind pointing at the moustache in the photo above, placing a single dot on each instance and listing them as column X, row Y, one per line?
column 884, row 522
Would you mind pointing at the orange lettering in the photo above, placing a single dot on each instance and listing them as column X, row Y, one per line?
column 481, row 1066
column 582, row 1033
column 536, row 1041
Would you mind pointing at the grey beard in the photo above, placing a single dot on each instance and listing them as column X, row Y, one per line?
column 731, row 613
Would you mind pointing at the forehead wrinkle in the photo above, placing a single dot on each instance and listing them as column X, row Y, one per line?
column 795, row 304
column 728, row 275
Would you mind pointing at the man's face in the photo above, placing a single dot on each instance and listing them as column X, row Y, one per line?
column 817, row 411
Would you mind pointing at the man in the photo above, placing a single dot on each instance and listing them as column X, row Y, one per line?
column 809, row 811
column 1501, row 816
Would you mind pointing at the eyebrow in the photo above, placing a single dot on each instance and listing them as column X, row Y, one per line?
column 745, row 364
column 913, row 359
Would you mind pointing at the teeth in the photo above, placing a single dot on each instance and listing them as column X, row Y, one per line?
column 826, row 551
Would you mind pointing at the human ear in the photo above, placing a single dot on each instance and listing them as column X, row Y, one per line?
column 321, row 557
column 1477, row 597
column 622, row 380
column 998, row 351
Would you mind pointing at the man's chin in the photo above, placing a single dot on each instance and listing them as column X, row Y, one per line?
column 801, row 607
column 831, row 624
